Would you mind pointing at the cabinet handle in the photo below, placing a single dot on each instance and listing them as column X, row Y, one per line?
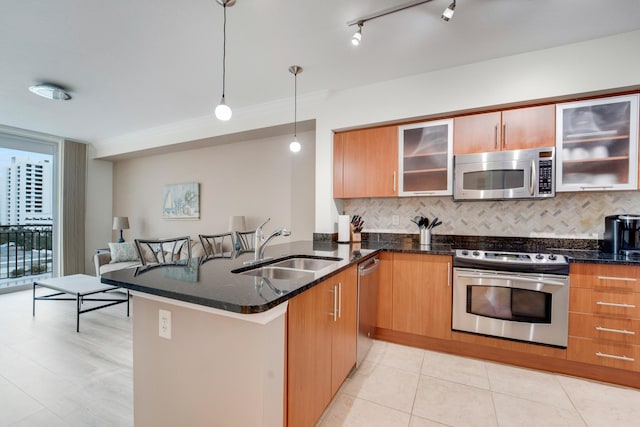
column 616, row 331
column 623, row 279
column 495, row 134
column 334, row 313
column 504, row 135
column 595, row 187
column 611, row 356
column 613, row 304
column 448, row 274
column 339, row 300
column 394, row 181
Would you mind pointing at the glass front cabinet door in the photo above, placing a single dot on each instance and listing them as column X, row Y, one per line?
column 597, row 144
column 426, row 158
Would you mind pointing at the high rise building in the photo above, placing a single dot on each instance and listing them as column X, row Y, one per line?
column 26, row 192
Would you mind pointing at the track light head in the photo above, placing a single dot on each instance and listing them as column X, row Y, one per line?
column 357, row 36
column 449, row 11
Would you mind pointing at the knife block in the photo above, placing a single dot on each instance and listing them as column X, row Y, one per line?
column 355, row 237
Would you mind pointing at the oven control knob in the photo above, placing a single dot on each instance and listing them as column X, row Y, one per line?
column 539, row 256
column 552, row 257
column 465, row 252
column 476, row 253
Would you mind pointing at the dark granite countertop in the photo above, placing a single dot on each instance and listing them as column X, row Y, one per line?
column 211, row 282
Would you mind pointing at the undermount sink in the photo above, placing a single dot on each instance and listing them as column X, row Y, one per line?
column 278, row 273
column 312, row 264
column 291, row 268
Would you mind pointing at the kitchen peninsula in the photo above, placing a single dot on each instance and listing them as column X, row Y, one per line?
column 209, row 345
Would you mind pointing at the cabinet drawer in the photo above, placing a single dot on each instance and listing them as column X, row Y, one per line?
column 603, row 276
column 604, row 329
column 604, row 354
column 592, row 301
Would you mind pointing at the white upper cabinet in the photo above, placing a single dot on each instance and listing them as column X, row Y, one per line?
column 597, row 144
column 426, row 158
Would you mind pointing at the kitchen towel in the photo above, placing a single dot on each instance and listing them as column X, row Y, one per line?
column 344, row 229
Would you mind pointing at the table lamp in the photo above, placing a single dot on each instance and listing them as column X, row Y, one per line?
column 120, row 223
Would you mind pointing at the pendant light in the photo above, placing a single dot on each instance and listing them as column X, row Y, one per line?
column 223, row 112
column 295, row 145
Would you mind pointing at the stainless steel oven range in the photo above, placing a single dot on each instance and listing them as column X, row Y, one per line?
column 518, row 296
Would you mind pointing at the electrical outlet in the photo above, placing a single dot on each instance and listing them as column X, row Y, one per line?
column 164, row 324
column 395, row 220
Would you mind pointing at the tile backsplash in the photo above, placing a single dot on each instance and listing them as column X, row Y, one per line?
column 568, row 215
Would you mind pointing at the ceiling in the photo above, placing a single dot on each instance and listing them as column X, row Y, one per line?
column 132, row 65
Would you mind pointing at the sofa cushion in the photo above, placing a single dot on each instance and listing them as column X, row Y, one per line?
column 118, row 266
column 123, row 252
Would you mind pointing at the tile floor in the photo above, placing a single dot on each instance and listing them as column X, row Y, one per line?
column 51, row 376
column 404, row 386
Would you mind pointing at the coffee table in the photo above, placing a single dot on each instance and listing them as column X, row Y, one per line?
column 80, row 286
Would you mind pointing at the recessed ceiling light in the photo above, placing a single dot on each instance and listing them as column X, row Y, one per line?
column 50, row 91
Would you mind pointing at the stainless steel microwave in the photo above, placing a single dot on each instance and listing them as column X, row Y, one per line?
column 498, row 175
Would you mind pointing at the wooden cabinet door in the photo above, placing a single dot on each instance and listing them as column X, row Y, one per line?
column 477, row 133
column 369, row 162
column 384, row 313
column 530, row 127
column 309, row 329
column 409, row 294
column 422, row 294
column 338, row 160
column 517, row 129
column 344, row 336
column 437, row 279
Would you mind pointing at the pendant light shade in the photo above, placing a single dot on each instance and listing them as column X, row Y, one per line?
column 295, row 145
column 223, row 111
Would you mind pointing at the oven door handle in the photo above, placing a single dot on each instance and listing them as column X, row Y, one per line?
column 509, row 277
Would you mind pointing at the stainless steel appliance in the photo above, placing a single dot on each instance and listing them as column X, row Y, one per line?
column 515, row 174
column 622, row 234
column 512, row 295
column 367, row 306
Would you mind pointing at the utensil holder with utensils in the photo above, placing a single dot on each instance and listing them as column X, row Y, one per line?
column 425, row 236
column 425, row 226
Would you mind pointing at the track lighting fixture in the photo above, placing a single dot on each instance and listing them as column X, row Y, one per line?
column 295, row 145
column 223, row 112
column 50, row 91
column 448, row 12
column 357, row 36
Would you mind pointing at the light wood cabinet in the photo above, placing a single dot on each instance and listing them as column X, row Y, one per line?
column 597, row 144
column 426, row 159
column 365, row 163
column 321, row 345
column 384, row 313
column 422, row 294
column 604, row 315
column 516, row 129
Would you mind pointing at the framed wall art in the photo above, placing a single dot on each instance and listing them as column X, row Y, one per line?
column 181, row 201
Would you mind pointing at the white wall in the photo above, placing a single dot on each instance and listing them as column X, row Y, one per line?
column 258, row 179
column 99, row 206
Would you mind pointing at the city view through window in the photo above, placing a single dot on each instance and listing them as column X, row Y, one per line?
column 26, row 217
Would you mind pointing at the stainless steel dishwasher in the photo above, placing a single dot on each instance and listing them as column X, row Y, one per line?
column 367, row 306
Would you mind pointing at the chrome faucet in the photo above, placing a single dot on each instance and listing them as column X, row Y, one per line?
column 260, row 242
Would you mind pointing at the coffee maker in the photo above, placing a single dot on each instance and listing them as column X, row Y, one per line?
column 622, row 234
